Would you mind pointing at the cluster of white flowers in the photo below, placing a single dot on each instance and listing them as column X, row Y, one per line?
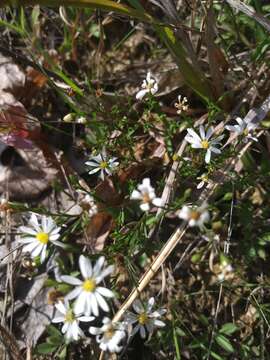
column 203, row 141
column 89, row 297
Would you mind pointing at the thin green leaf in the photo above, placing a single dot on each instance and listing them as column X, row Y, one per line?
column 196, row 80
column 106, row 5
column 224, row 343
column 46, row 348
column 228, row 329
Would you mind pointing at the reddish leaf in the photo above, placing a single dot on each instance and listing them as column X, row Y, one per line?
column 15, row 127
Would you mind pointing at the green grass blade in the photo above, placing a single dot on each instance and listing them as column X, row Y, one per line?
column 196, row 80
column 106, row 5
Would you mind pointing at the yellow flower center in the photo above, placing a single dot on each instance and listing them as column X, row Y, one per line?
column 69, row 316
column 246, row 132
column 205, row 144
column 89, row 285
column 103, row 165
column 195, row 215
column 109, row 333
column 42, row 237
column 143, row 318
column 145, row 198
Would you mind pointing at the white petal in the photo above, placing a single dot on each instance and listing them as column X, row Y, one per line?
column 135, row 195
column 27, row 230
column 105, row 292
column 184, row 213
column 101, row 302
column 98, row 266
column 85, row 267
column 202, row 132
column 92, row 164
column 157, row 202
column 142, row 332
column 141, row 94
column 215, row 150
column 95, row 330
column 86, row 318
column 61, row 307
column 230, row 127
column 145, row 207
column 38, row 250
column 135, row 330
column 58, row 319
column 71, row 280
column 33, row 221
column 107, row 271
column 43, row 254
column 209, row 132
column 138, row 306
column 159, row 323
column 30, row 247
column 94, row 304
column 194, row 134
column 200, row 185
column 80, row 304
column 91, row 172
column 74, row 293
column 207, row 156
column 150, row 304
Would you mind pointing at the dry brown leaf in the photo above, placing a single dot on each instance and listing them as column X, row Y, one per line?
column 98, row 230
column 16, row 126
column 27, row 174
column 38, row 318
column 106, row 192
column 12, row 78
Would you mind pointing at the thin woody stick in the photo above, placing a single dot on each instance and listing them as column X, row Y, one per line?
column 152, row 270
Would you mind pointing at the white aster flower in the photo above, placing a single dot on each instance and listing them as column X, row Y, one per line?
column 146, row 194
column 38, row 234
column 204, row 180
column 149, row 86
column 225, row 269
column 145, row 318
column 71, row 321
column 194, row 215
column 203, row 141
column 87, row 203
column 109, row 335
column 181, row 105
column 243, row 127
column 226, row 272
column 89, row 296
column 102, row 163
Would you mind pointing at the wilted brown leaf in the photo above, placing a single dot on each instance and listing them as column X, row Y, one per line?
column 16, row 128
column 12, row 78
column 98, row 230
column 27, row 173
column 106, row 192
